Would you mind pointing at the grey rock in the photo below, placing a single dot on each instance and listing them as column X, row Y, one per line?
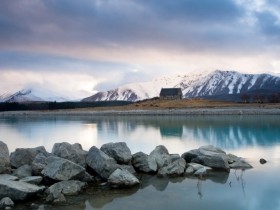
column 161, row 156
column 6, row 202
column 8, row 177
column 196, row 169
column 18, row 191
column 86, row 177
column 129, row 168
column 232, row 158
column 215, row 162
column 240, row 164
column 102, row 164
column 61, row 169
column 71, row 187
column 237, row 162
column 210, row 150
column 197, row 166
column 36, row 180
column 23, row 171
column 188, row 156
column 39, row 163
column 208, row 156
column 60, row 199
column 174, row 157
column 24, row 156
column 119, row 151
column 122, row 178
column 189, row 171
column 144, row 163
column 57, row 191
column 174, row 169
column 201, row 172
column 4, row 158
column 74, row 152
column 263, row 161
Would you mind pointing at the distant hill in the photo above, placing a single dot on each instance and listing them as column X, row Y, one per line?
column 228, row 85
column 31, row 95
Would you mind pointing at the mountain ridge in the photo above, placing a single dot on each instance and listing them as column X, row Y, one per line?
column 193, row 85
column 30, row 95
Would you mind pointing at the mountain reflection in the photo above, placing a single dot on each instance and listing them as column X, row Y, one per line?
column 224, row 131
column 143, row 133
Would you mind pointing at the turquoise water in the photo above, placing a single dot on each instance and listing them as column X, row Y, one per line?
column 252, row 137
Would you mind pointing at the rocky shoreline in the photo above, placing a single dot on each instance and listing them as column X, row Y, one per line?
column 153, row 112
column 28, row 173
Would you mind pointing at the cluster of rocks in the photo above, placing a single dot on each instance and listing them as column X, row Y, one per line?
column 68, row 169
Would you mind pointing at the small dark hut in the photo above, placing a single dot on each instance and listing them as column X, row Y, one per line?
column 171, row 93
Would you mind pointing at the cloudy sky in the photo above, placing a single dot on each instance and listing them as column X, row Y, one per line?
column 80, row 47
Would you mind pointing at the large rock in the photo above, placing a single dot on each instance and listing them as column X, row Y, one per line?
column 23, row 171
column 24, row 156
column 161, row 155
column 102, row 164
column 129, row 168
column 74, row 152
column 188, row 156
column 18, row 191
column 208, row 156
column 215, row 162
column 195, row 169
column 9, row 177
column 144, row 163
column 119, row 151
column 4, row 158
column 122, row 178
column 240, row 164
column 32, row 180
column 71, row 187
column 6, row 203
column 57, row 191
column 61, row 169
column 39, row 163
column 210, row 150
column 174, row 169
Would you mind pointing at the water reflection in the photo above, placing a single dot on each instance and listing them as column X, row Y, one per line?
column 144, row 133
column 102, row 198
column 247, row 136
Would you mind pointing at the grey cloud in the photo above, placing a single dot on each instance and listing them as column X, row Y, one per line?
column 144, row 23
column 72, row 8
column 269, row 24
column 193, row 10
column 273, row 2
column 44, row 62
column 126, row 77
column 179, row 25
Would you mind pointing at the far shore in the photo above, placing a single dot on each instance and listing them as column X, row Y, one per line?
column 155, row 107
column 152, row 112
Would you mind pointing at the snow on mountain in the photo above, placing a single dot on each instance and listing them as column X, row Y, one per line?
column 193, row 85
column 136, row 91
column 31, row 95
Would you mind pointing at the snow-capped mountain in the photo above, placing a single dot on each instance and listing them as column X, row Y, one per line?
column 194, row 85
column 30, row 95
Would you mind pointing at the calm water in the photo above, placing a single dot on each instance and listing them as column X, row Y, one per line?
column 247, row 136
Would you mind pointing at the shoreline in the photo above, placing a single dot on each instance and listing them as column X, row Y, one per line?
column 152, row 112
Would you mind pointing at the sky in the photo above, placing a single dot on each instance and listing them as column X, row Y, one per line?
column 80, row 47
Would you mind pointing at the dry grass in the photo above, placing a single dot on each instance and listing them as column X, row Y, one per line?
column 157, row 104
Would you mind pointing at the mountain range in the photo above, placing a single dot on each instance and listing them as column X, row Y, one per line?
column 222, row 85
column 216, row 85
column 31, row 95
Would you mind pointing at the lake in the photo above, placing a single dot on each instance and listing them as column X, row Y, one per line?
column 251, row 137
